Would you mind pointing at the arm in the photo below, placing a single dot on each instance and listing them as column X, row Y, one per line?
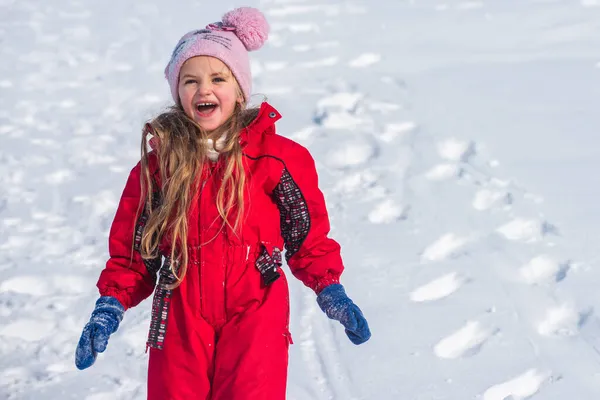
column 312, row 256
column 127, row 277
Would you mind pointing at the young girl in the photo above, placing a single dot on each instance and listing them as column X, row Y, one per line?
column 217, row 198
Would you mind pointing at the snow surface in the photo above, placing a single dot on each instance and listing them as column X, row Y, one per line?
column 457, row 144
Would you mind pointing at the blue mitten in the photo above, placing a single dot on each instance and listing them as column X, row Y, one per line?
column 104, row 321
column 335, row 303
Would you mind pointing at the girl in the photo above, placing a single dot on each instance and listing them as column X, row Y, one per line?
column 217, row 198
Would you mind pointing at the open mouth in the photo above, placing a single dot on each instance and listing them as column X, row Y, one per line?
column 205, row 109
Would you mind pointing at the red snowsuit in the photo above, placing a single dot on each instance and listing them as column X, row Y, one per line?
column 223, row 334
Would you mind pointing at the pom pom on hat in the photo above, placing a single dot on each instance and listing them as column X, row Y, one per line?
column 251, row 26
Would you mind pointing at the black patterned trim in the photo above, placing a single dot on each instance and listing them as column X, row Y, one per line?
column 160, row 307
column 268, row 265
column 294, row 215
column 153, row 264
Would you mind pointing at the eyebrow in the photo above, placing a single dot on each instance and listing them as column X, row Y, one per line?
column 212, row 75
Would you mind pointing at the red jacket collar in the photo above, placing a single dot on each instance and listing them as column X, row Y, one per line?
column 266, row 118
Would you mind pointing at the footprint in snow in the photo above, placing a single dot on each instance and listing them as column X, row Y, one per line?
column 486, row 199
column 439, row 288
column 355, row 182
column 352, row 154
column 365, row 60
column 362, row 184
column 520, row 387
column 387, row 212
column 338, row 111
column 341, row 101
column 562, row 320
column 443, row 172
column 465, row 342
column 392, row 131
column 526, row 230
column 455, row 150
column 447, row 245
column 543, row 269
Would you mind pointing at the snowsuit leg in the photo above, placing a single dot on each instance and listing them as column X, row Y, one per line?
column 252, row 349
column 183, row 369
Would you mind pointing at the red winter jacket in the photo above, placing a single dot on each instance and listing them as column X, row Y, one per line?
column 285, row 208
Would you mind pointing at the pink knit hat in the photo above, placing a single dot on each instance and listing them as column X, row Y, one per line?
column 241, row 30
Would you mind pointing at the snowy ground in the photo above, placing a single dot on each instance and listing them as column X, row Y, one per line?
column 458, row 150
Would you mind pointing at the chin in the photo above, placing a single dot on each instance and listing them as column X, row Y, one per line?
column 208, row 126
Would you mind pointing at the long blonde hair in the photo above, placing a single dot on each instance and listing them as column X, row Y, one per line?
column 181, row 154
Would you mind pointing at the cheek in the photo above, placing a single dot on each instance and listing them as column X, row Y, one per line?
column 229, row 99
column 185, row 97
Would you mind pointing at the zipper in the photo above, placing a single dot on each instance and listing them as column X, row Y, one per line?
column 200, row 250
column 287, row 332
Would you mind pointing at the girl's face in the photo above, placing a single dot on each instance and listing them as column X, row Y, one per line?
column 208, row 91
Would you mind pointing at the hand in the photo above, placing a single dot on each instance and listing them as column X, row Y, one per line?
column 104, row 321
column 336, row 305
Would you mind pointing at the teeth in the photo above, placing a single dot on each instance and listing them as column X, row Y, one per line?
column 204, row 104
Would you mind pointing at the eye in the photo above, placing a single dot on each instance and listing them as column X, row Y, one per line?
column 219, row 79
column 188, row 81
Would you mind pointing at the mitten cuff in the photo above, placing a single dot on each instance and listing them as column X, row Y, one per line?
column 330, row 295
column 107, row 303
column 326, row 282
column 109, row 307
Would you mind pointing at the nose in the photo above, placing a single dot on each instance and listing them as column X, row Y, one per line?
column 204, row 88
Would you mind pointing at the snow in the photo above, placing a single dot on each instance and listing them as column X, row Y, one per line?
column 447, row 245
column 466, row 341
column 455, row 150
column 560, row 321
column 486, row 199
column 438, row 288
column 386, row 212
column 543, row 268
column 522, row 229
column 442, row 171
column 457, row 145
column 522, row 387
column 351, row 154
column 365, row 60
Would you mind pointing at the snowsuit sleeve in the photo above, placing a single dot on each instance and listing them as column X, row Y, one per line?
column 128, row 277
column 312, row 256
